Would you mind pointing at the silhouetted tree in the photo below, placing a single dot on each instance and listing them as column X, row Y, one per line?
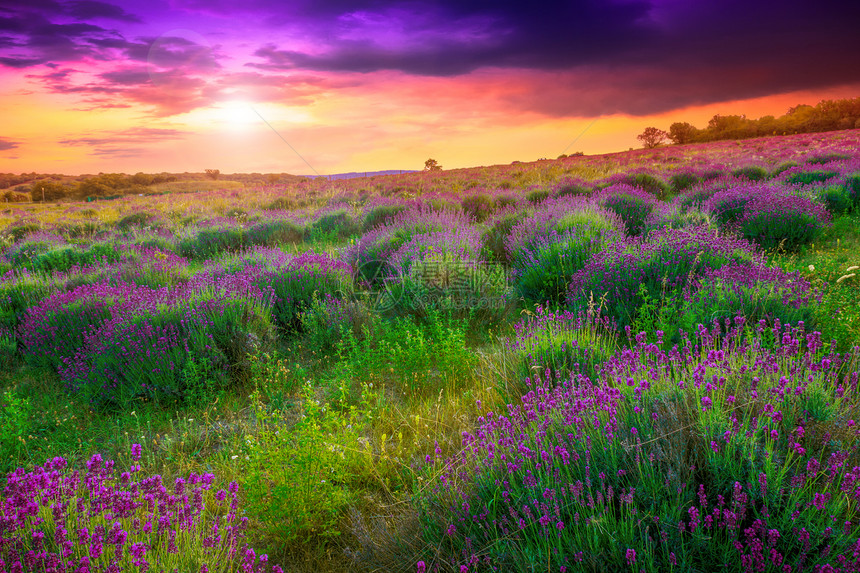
column 432, row 165
column 652, row 137
column 213, row 173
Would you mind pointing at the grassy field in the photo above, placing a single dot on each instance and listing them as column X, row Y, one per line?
column 641, row 361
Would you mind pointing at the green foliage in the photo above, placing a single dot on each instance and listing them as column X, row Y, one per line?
column 536, row 196
column 64, row 258
column 682, row 180
column 852, row 184
column 326, row 319
column 788, row 230
column 209, row 243
column 478, row 207
column 837, row 199
column 544, row 274
column 274, row 233
column 555, row 349
column 380, row 215
column 301, row 476
column 338, row 224
column 810, row 177
column 442, row 284
column 824, row 158
column 15, row 423
column 650, row 183
column 632, row 210
column 282, row 204
column 201, row 381
column 751, row 172
column 422, row 358
column 493, row 238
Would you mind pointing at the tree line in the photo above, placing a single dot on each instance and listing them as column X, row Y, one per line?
column 827, row 115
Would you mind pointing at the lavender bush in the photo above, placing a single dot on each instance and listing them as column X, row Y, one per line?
column 106, row 520
column 721, row 453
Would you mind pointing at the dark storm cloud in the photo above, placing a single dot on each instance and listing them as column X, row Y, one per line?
column 586, row 57
column 90, row 9
column 455, row 38
column 649, row 56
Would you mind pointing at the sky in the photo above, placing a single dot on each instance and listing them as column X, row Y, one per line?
column 330, row 86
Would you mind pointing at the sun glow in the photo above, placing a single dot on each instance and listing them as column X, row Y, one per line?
column 236, row 113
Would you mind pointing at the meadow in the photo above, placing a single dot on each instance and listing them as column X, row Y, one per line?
column 643, row 361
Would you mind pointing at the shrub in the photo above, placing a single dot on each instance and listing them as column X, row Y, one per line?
column 22, row 253
column 782, row 167
column 781, row 220
column 647, row 182
column 503, row 201
column 852, row 184
column 132, row 220
column 369, row 255
column 114, row 344
column 208, row 243
column 282, row 204
column 65, row 258
column 825, row 158
column 630, row 273
column 811, row 177
column 542, row 270
column 751, row 172
column 274, row 233
column 695, row 198
column 336, row 223
column 380, row 215
column 447, row 285
column 326, row 319
column 571, row 187
column 19, row 230
column 478, row 207
column 755, row 292
column 727, row 207
column 537, row 195
column 495, row 233
column 112, row 520
column 683, row 180
column 554, row 345
column 673, row 216
column 836, row 199
column 631, row 204
column 728, row 447
column 296, row 282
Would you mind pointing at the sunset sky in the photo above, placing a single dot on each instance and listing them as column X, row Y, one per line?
column 184, row 85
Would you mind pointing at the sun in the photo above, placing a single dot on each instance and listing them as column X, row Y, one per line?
column 236, row 113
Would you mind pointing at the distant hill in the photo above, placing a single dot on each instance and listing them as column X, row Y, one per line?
column 356, row 174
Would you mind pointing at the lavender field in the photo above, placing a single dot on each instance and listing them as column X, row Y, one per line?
column 643, row 361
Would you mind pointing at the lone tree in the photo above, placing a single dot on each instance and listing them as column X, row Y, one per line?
column 652, row 137
column 213, row 173
column 432, row 165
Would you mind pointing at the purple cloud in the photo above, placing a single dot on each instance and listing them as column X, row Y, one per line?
column 6, row 144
